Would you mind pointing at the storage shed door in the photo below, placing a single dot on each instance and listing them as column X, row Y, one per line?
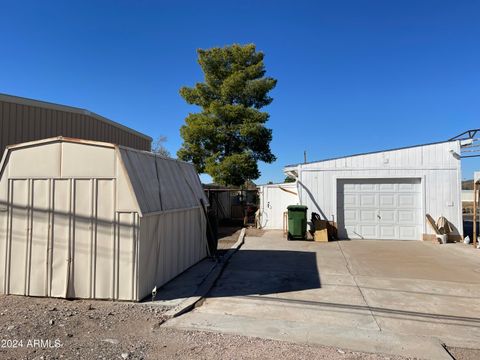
column 379, row 209
column 60, row 239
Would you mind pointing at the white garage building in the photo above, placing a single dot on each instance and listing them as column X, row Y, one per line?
column 386, row 194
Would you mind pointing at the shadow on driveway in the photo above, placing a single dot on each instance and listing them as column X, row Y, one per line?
column 263, row 272
column 251, row 272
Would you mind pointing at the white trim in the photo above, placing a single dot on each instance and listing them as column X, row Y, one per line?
column 423, row 179
column 291, row 184
column 292, row 166
column 379, row 168
column 61, row 139
column 459, row 198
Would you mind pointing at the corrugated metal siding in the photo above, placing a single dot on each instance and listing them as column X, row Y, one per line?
column 170, row 242
column 22, row 123
column 434, row 164
column 53, row 220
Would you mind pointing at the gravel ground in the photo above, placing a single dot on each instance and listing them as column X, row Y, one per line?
column 81, row 329
column 202, row 345
column 74, row 329
column 464, row 354
column 228, row 236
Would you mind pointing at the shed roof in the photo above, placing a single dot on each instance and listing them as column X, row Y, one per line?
column 72, row 109
column 158, row 183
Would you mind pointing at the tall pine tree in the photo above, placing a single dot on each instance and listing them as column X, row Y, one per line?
column 228, row 137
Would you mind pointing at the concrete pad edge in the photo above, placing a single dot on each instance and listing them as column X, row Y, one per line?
column 208, row 282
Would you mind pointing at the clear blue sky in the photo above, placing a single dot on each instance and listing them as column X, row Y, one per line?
column 353, row 76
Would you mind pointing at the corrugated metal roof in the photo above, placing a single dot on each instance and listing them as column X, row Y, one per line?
column 161, row 183
column 368, row 153
column 72, row 109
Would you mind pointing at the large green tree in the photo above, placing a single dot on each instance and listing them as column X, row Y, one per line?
column 228, row 137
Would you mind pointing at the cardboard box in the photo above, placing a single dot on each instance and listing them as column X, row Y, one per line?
column 321, row 235
column 321, row 231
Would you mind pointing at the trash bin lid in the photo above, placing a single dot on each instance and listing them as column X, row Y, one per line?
column 297, row 207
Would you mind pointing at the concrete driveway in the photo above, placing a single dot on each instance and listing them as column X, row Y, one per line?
column 394, row 297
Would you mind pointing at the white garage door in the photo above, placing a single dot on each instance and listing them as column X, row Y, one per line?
column 379, row 209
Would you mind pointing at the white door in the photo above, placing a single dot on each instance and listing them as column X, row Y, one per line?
column 276, row 199
column 379, row 209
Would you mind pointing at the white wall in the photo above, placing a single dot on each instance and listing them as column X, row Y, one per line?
column 274, row 200
column 436, row 166
column 467, row 195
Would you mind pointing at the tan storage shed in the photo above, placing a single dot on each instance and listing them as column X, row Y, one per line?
column 83, row 219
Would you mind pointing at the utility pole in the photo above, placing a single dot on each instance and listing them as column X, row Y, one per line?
column 304, row 156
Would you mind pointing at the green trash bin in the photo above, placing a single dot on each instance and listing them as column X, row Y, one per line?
column 297, row 221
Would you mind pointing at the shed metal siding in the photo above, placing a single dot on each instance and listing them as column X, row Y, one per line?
column 75, row 227
column 23, row 120
column 435, row 164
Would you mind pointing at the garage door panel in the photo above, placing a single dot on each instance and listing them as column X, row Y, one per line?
column 389, row 187
column 388, row 216
column 349, row 188
column 368, row 231
column 408, row 232
column 407, row 216
column 368, row 187
column 350, row 200
column 387, row 232
column 387, row 200
column 368, row 200
column 368, row 216
column 380, row 208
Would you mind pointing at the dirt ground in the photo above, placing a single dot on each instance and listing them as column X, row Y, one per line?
column 74, row 329
column 464, row 354
column 228, row 235
column 41, row 328
column 255, row 232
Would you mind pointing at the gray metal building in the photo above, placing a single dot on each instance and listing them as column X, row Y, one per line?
column 23, row 120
